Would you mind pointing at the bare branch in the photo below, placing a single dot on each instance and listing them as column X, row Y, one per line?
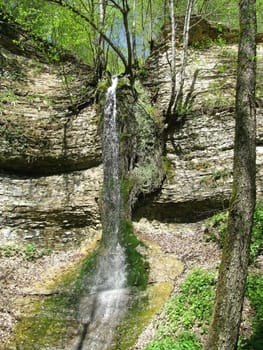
column 94, row 26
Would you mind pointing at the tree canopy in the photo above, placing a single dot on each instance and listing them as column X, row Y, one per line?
column 126, row 27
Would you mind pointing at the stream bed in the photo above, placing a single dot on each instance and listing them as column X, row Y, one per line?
column 50, row 319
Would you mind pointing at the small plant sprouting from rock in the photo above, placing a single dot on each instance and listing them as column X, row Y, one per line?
column 28, row 252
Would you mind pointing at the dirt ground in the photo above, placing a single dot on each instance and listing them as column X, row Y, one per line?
column 18, row 276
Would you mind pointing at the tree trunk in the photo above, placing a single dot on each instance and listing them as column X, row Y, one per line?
column 101, row 64
column 130, row 60
column 173, row 60
column 179, row 93
column 224, row 329
column 134, row 46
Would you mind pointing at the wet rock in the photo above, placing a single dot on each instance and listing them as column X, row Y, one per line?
column 48, row 208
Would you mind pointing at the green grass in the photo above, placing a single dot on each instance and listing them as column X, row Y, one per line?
column 191, row 307
column 184, row 341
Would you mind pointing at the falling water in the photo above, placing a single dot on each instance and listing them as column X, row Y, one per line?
column 105, row 305
column 111, row 206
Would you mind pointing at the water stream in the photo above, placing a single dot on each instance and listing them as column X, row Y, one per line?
column 105, row 305
column 91, row 307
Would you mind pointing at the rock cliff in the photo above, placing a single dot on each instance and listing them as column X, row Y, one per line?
column 199, row 147
column 44, row 126
column 50, row 147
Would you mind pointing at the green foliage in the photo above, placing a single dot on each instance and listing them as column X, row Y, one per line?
column 221, row 173
column 221, row 42
column 216, row 229
column 184, row 341
column 28, row 252
column 146, row 174
column 54, row 24
column 67, row 30
column 204, row 44
column 256, row 246
column 8, row 96
column 192, row 306
column 9, row 251
column 255, row 295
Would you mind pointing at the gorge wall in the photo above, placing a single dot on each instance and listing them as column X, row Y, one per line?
column 199, row 147
column 50, row 143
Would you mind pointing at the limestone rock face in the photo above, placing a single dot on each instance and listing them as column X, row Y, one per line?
column 44, row 127
column 199, row 145
column 50, row 145
column 50, row 209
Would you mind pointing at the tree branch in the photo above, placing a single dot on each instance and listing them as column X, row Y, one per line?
column 117, row 6
column 94, row 26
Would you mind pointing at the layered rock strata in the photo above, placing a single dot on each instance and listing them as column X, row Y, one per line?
column 50, row 147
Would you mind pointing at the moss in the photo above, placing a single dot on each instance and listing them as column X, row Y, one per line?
column 124, row 83
column 48, row 320
column 47, row 325
column 168, row 169
column 138, row 267
column 144, row 305
column 127, row 184
column 86, row 271
column 140, row 314
column 103, row 86
column 100, row 95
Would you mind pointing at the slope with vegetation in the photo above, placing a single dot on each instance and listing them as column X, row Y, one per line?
column 50, row 148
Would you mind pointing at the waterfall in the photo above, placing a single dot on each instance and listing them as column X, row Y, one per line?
column 111, row 201
column 106, row 303
column 112, row 268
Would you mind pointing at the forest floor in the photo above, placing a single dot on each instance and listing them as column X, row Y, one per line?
column 19, row 276
column 189, row 244
column 23, row 273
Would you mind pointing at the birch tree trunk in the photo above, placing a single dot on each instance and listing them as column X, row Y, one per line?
column 134, row 53
column 101, row 55
column 224, row 329
column 179, row 93
column 173, row 59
